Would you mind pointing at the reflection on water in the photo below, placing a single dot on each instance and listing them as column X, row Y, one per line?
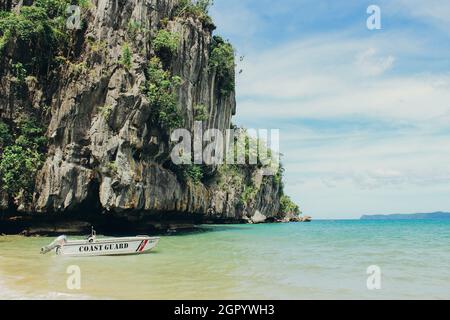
column 324, row 259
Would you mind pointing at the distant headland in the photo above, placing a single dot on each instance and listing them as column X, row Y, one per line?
column 409, row 216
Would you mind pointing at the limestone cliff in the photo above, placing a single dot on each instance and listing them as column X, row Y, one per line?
column 104, row 156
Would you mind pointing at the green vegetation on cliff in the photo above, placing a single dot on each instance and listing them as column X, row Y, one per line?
column 200, row 113
column 165, row 45
column 193, row 172
column 249, row 192
column 21, row 157
column 30, row 41
column 126, row 57
column 198, row 9
column 19, row 72
column 160, row 90
column 38, row 31
column 5, row 135
column 165, row 41
column 287, row 206
column 222, row 61
column 161, row 85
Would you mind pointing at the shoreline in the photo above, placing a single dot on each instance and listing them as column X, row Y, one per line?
column 30, row 226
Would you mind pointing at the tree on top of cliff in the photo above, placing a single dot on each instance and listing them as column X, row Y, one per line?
column 198, row 9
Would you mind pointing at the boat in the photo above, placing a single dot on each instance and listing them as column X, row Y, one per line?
column 92, row 246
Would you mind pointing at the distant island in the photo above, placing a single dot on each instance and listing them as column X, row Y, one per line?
column 409, row 216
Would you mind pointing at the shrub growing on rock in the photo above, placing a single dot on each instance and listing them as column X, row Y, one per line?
column 19, row 72
column 126, row 57
column 166, row 41
column 193, row 172
column 160, row 90
column 22, row 158
column 287, row 206
column 248, row 194
column 222, row 61
column 200, row 113
column 5, row 135
column 198, row 9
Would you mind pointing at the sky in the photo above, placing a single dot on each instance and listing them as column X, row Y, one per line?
column 364, row 115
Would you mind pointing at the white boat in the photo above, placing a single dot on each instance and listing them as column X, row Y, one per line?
column 101, row 247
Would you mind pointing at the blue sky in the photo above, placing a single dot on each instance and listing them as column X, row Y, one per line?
column 364, row 116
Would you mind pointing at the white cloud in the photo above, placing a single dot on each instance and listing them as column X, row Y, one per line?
column 371, row 65
column 417, row 99
column 338, row 76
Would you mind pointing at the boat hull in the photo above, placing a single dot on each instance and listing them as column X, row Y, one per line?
column 108, row 247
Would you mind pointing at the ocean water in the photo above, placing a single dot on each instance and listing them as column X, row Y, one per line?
column 318, row 260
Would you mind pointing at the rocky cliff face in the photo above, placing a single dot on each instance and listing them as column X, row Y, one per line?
column 104, row 157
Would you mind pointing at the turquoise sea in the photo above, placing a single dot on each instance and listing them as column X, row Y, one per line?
column 318, row 260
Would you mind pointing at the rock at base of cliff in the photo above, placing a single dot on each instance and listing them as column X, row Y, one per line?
column 296, row 218
column 306, row 219
column 258, row 217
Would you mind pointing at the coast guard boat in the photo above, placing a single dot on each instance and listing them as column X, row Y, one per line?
column 101, row 247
